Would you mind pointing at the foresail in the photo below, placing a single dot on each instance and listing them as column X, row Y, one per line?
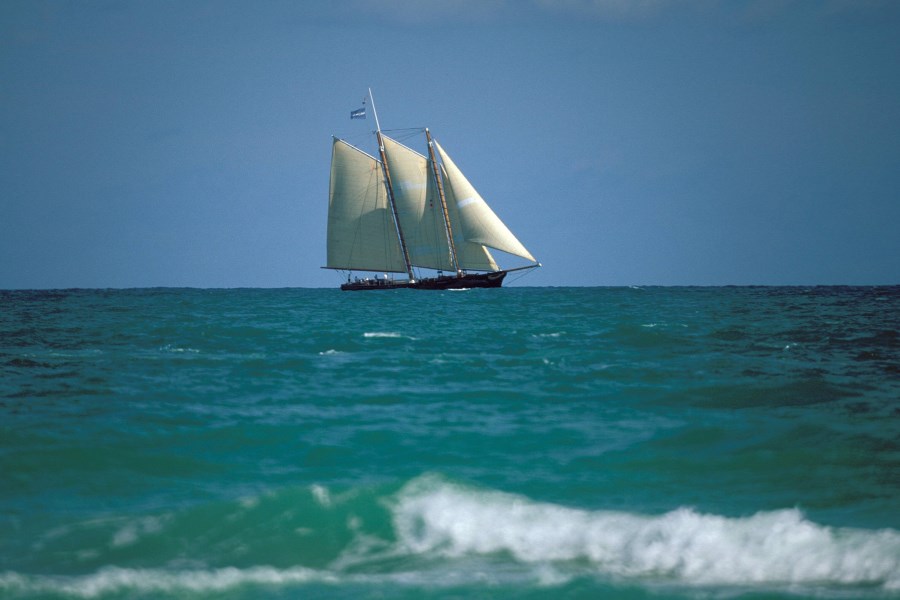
column 475, row 257
column 418, row 207
column 361, row 230
column 472, row 256
column 479, row 223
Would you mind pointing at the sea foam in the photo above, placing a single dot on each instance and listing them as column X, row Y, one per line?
column 682, row 546
column 448, row 534
column 113, row 580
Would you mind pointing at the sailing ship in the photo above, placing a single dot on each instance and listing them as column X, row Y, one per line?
column 411, row 213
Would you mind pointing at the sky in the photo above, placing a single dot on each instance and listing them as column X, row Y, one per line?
column 644, row 142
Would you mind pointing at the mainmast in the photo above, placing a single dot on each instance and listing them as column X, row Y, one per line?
column 390, row 190
column 440, row 189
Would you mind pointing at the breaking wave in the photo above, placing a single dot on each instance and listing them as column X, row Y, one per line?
column 436, row 532
column 683, row 546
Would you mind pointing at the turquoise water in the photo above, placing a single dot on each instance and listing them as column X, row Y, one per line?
column 513, row 443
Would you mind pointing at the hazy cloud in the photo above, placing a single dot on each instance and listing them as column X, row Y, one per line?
column 494, row 11
column 608, row 9
column 416, row 11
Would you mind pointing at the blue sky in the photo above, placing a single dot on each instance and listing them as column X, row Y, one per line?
column 625, row 143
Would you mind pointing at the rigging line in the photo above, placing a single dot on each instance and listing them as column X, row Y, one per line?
column 410, row 130
column 521, row 274
column 410, row 133
column 354, row 140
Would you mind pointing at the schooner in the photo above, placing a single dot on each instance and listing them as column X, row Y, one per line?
column 404, row 211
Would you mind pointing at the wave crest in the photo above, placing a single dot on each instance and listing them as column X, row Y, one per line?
column 774, row 547
column 437, row 532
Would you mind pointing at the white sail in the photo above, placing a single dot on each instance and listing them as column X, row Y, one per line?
column 471, row 256
column 361, row 230
column 478, row 221
column 418, row 207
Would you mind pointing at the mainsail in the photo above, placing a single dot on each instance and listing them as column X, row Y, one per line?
column 361, row 230
column 421, row 216
column 418, row 207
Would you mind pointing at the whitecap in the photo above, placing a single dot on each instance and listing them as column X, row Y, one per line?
column 75, row 353
column 386, row 334
column 176, row 349
column 781, row 547
column 133, row 530
column 112, row 580
column 320, row 493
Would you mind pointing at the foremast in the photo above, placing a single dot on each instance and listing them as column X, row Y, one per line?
column 440, row 188
column 390, row 191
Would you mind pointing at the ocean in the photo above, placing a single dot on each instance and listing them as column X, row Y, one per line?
column 645, row 442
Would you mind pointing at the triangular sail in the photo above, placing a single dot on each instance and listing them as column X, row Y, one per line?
column 479, row 223
column 361, row 230
column 472, row 256
column 418, row 207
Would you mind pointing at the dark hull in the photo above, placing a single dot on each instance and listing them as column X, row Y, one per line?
column 444, row 282
column 373, row 284
column 449, row 282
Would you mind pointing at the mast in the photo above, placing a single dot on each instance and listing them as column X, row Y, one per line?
column 390, row 190
column 440, row 189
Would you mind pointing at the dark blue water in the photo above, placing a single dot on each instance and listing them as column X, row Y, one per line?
column 522, row 442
